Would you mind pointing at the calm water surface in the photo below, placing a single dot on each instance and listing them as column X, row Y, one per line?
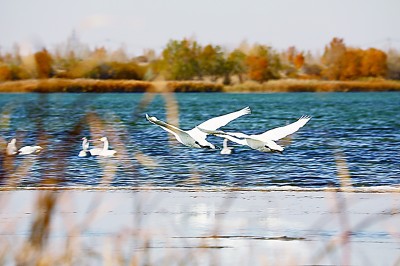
column 355, row 135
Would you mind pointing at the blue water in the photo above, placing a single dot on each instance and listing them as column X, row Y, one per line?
column 351, row 135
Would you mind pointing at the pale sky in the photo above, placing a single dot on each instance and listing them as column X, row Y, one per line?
column 306, row 24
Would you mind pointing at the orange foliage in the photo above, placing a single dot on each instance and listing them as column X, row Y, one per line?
column 257, row 66
column 298, row 60
column 374, row 63
column 43, row 64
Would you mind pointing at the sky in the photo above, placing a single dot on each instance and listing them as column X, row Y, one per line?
column 136, row 25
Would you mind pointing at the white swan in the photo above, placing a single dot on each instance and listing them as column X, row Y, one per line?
column 85, row 148
column 196, row 138
column 11, row 148
column 105, row 151
column 264, row 142
column 29, row 150
column 225, row 148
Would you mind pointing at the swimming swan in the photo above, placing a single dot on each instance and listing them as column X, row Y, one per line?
column 85, row 148
column 264, row 142
column 225, row 148
column 12, row 149
column 105, row 151
column 196, row 138
column 29, row 150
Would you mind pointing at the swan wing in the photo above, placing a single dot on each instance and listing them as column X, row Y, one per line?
column 221, row 133
column 167, row 127
column 236, row 137
column 220, row 121
column 281, row 132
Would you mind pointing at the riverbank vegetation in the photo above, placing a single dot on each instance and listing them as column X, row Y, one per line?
column 187, row 66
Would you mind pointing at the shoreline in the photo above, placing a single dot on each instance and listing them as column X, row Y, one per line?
column 376, row 189
column 54, row 85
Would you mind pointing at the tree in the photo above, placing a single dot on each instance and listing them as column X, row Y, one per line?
column 374, row 63
column 180, row 60
column 43, row 64
column 236, row 64
column 350, row 64
column 331, row 59
column 212, row 62
column 263, row 64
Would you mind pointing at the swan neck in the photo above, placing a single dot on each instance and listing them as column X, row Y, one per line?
column 105, row 147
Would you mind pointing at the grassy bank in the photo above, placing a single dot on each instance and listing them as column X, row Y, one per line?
column 93, row 85
column 315, row 86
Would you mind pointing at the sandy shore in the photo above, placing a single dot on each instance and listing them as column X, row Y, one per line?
column 206, row 227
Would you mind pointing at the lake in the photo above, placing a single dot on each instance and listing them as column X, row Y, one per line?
column 352, row 139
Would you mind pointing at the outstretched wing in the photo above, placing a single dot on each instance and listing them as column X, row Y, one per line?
column 281, row 132
column 236, row 137
column 221, row 133
column 220, row 121
column 167, row 127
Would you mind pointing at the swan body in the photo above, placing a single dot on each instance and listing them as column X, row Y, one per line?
column 196, row 138
column 29, row 150
column 225, row 148
column 105, row 152
column 12, row 148
column 264, row 142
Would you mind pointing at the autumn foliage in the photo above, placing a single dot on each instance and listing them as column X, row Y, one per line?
column 188, row 60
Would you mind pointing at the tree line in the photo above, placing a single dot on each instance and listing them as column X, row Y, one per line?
column 187, row 59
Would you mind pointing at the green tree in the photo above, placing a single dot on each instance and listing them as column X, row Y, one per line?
column 212, row 62
column 236, row 64
column 180, row 60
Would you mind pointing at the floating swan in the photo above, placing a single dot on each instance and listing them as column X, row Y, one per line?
column 29, row 150
column 196, row 138
column 85, row 148
column 105, row 151
column 225, row 148
column 11, row 148
column 264, row 142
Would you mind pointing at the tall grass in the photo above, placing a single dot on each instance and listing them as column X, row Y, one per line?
column 93, row 85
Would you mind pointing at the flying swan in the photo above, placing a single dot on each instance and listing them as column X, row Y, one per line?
column 196, row 138
column 264, row 142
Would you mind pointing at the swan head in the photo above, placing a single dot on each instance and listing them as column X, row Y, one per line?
column 151, row 118
column 103, row 139
column 38, row 149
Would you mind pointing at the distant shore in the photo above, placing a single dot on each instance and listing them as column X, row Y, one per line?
column 103, row 86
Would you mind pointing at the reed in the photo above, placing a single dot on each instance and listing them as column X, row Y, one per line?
column 283, row 85
column 292, row 85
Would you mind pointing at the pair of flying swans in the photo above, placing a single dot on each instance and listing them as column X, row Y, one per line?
column 12, row 149
column 264, row 142
column 196, row 137
column 105, row 152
